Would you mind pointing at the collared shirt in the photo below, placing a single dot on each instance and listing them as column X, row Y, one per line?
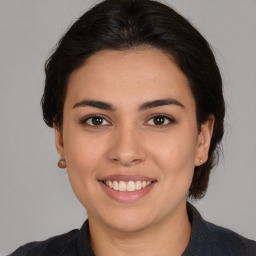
column 206, row 239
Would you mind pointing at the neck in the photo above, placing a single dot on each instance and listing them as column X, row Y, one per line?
column 166, row 237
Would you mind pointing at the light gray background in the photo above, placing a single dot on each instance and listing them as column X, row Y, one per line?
column 36, row 200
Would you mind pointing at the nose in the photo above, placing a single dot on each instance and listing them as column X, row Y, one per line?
column 127, row 147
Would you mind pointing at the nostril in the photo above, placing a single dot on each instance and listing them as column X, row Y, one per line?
column 127, row 159
column 126, row 149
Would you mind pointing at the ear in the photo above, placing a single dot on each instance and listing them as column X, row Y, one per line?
column 204, row 141
column 59, row 140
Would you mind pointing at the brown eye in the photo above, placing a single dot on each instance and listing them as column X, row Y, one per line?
column 95, row 121
column 160, row 120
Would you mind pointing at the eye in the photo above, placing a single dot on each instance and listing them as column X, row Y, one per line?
column 95, row 120
column 160, row 120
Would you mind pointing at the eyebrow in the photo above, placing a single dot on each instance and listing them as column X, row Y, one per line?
column 147, row 105
column 158, row 103
column 95, row 104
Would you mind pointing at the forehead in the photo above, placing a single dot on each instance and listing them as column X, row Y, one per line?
column 131, row 75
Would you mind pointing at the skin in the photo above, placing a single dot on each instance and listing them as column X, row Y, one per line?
column 130, row 141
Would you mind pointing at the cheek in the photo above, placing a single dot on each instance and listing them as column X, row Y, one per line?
column 175, row 153
column 83, row 154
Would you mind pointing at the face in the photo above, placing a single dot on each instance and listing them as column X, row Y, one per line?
column 130, row 138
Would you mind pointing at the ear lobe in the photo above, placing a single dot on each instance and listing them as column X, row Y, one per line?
column 204, row 141
column 58, row 140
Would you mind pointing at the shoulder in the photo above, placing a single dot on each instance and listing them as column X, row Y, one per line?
column 73, row 243
column 208, row 239
column 229, row 242
column 52, row 246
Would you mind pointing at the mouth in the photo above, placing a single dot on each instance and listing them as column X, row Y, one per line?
column 129, row 186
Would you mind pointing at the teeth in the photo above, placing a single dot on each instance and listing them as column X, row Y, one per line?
column 130, row 186
column 122, row 186
column 127, row 186
column 115, row 185
column 138, row 185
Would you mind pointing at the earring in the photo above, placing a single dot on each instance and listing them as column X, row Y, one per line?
column 201, row 160
column 62, row 163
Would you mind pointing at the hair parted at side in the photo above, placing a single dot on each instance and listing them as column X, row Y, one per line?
column 130, row 24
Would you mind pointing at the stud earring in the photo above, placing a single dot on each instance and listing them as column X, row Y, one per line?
column 62, row 163
column 201, row 160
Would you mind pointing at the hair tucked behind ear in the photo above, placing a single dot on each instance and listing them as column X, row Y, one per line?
column 126, row 24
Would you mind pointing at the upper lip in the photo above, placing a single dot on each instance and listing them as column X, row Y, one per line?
column 126, row 177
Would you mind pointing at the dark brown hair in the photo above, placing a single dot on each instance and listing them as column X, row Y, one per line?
column 126, row 24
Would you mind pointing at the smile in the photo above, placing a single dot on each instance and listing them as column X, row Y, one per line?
column 124, row 186
column 127, row 188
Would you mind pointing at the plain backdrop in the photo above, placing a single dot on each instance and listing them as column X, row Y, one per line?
column 36, row 200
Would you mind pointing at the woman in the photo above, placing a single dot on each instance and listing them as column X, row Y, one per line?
column 135, row 98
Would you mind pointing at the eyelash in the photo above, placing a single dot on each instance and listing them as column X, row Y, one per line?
column 84, row 121
column 166, row 117
column 169, row 119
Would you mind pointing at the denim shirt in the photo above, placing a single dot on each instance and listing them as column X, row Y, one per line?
column 206, row 239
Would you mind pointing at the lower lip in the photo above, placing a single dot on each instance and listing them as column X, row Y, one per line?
column 127, row 196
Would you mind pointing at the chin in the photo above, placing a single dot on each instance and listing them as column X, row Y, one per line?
column 129, row 225
column 123, row 220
